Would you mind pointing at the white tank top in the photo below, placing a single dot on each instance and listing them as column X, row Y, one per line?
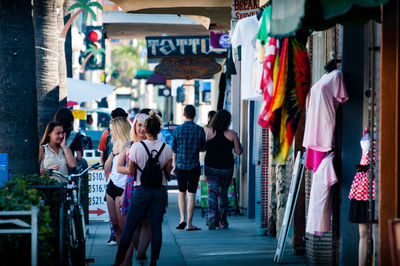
column 118, row 179
column 50, row 157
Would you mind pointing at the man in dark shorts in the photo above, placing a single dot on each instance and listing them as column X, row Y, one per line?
column 189, row 140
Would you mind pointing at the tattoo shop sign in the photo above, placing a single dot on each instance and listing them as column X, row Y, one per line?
column 185, row 57
column 177, row 46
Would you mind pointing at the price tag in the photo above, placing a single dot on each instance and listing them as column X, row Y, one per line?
column 97, row 191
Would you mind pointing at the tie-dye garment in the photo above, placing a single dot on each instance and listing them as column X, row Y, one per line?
column 291, row 87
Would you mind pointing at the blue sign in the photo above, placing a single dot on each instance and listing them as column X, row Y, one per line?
column 224, row 41
column 3, row 168
column 177, row 46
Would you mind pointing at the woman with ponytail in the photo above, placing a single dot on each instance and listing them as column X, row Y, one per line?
column 146, row 200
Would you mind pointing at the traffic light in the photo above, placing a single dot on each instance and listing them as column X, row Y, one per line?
column 180, row 94
column 95, row 47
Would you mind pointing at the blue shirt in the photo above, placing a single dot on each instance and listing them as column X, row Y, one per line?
column 189, row 140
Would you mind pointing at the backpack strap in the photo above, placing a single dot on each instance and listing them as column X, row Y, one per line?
column 71, row 138
column 160, row 151
column 148, row 153
column 145, row 147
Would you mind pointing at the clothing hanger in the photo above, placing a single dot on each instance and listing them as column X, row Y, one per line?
column 260, row 13
column 332, row 64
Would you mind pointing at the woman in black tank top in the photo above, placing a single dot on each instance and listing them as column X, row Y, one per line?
column 219, row 162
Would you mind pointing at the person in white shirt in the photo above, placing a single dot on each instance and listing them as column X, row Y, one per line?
column 119, row 129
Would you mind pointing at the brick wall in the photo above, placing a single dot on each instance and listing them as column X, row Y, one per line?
column 266, row 161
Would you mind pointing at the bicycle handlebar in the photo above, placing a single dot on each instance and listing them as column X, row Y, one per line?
column 93, row 166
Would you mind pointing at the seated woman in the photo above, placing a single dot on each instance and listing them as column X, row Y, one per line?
column 53, row 152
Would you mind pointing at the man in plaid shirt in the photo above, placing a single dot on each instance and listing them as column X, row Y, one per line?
column 189, row 140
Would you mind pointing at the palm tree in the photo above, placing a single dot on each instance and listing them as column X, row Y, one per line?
column 18, row 108
column 127, row 60
column 46, row 44
column 92, row 51
column 62, row 67
column 84, row 7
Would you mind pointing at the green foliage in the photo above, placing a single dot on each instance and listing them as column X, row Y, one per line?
column 16, row 195
column 127, row 60
column 86, row 6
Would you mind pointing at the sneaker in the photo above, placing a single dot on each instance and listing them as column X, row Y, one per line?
column 112, row 241
column 211, row 224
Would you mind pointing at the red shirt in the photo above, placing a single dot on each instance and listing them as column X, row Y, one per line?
column 102, row 143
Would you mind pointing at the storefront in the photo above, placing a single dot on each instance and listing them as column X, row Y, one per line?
column 361, row 47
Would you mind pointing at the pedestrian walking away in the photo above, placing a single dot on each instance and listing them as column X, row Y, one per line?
column 219, row 164
column 149, row 197
column 189, row 140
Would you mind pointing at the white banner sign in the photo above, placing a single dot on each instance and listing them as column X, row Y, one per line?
column 244, row 8
column 97, row 191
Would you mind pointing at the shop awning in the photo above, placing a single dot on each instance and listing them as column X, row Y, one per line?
column 334, row 8
column 122, row 25
column 83, row 91
column 156, row 79
column 216, row 13
column 143, row 74
column 288, row 16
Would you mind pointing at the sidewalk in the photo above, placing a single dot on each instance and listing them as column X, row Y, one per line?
column 238, row 245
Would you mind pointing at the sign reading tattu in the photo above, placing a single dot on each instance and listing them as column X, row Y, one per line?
column 178, row 46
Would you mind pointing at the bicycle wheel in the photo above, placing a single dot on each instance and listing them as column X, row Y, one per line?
column 77, row 243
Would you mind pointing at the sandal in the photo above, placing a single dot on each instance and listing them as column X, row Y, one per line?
column 181, row 226
column 194, row 228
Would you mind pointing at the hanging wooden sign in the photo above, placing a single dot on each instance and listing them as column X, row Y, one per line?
column 188, row 67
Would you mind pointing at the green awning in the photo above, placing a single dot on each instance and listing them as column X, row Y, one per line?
column 143, row 74
column 334, row 8
column 288, row 16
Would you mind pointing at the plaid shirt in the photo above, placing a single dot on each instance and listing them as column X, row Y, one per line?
column 189, row 140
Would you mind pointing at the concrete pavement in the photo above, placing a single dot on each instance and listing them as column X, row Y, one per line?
column 238, row 245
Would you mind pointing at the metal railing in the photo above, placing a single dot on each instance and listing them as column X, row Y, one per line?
column 23, row 228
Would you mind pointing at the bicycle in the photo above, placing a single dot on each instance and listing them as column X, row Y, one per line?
column 74, row 233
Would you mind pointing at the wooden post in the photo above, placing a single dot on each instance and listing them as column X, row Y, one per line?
column 299, row 218
column 388, row 160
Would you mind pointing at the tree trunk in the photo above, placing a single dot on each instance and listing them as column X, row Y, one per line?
column 18, row 106
column 62, row 68
column 68, row 40
column 46, row 44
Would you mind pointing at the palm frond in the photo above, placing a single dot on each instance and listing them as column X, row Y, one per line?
column 91, row 12
column 99, row 51
column 74, row 6
column 96, row 4
column 85, row 14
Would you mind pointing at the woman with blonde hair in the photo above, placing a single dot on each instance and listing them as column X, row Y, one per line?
column 119, row 129
column 142, row 235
